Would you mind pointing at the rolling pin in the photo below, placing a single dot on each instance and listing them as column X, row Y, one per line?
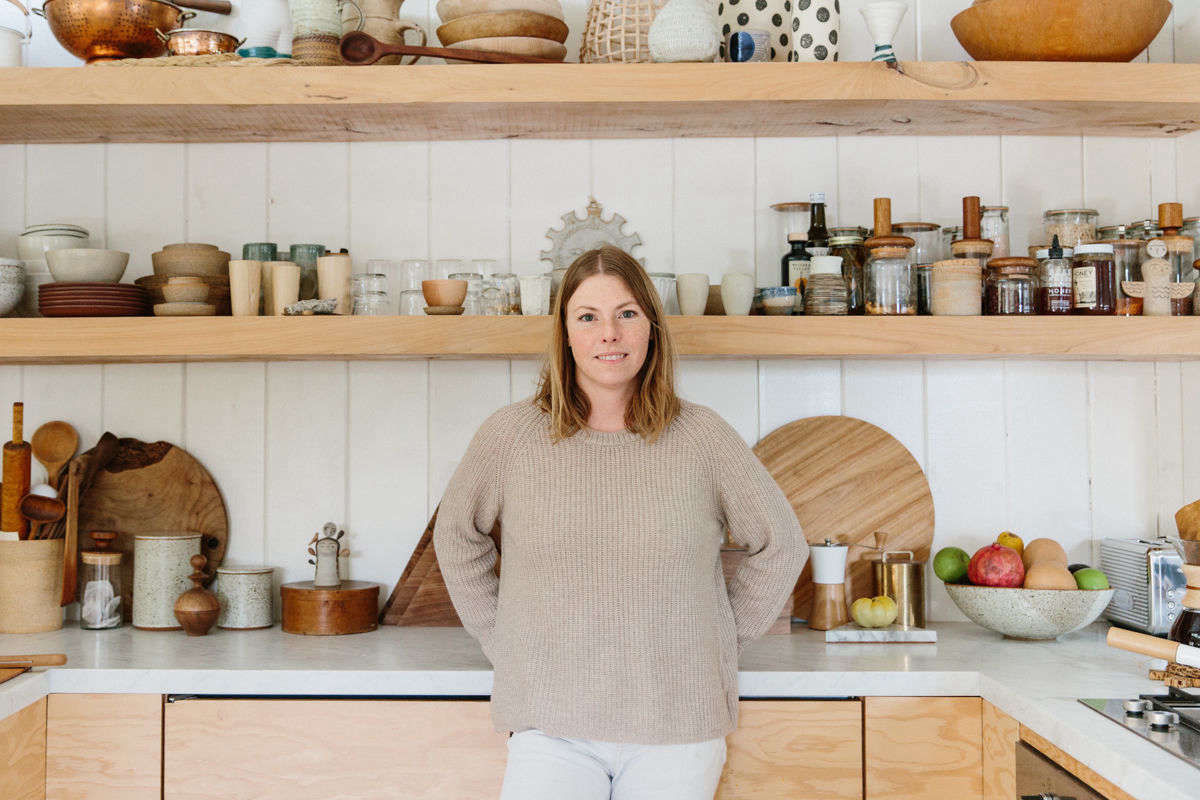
column 18, row 455
column 1152, row 646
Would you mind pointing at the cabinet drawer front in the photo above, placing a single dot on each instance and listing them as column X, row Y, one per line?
column 23, row 753
column 104, row 747
column 924, row 748
column 318, row 749
column 794, row 748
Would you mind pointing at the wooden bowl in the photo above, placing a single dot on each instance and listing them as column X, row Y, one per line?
column 502, row 23
column 444, row 292
column 217, row 291
column 1059, row 30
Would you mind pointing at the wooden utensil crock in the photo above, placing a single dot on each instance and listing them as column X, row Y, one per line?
column 16, row 467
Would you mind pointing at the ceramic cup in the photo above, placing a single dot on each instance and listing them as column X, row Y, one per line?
column 737, row 293
column 756, row 30
column 333, row 280
column 267, row 303
column 245, row 597
column 306, row 256
column 817, row 28
column 285, row 286
column 692, row 288
column 260, row 251
column 245, row 287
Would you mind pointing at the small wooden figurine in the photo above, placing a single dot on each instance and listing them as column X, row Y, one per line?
column 1157, row 289
column 326, row 550
column 197, row 608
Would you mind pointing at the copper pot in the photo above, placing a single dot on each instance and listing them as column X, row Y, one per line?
column 196, row 42
column 104, row 30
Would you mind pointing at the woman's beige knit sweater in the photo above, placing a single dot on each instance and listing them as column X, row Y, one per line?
column 611, row 619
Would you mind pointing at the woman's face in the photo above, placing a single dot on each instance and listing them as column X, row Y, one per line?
column 608, row 332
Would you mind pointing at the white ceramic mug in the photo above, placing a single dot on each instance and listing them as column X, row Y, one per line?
column 737, row 293
column 333, row 281
column 285, row 285
column 692, row 288
column 245, row 287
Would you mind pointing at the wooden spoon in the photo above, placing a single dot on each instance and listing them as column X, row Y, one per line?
column 41, row 510
column 54, row 444
column 360, row 48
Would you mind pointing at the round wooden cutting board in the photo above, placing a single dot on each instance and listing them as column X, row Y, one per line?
column 847, row 479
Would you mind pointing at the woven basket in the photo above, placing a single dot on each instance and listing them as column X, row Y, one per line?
column 31, row 575
column 617, row 31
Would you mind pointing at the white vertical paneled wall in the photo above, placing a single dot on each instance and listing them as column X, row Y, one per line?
column 1072, row 450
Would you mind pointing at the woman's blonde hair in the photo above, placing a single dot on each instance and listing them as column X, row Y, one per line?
column 654, row 403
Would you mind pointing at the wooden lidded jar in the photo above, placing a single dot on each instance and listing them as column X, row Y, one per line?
column 891, row 286
column 197, row 608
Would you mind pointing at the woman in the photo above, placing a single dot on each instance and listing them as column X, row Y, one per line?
column 613, row 638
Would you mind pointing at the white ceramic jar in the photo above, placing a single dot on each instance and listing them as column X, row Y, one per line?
column 161, row 566
column 737, row 293
column 245, row 596
column 15, row 33
column 692, row 290
column 37, row 239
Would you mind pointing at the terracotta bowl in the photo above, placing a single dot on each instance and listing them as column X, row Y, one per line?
column 1059, row 30
column 1029, row 613
column 444, row 292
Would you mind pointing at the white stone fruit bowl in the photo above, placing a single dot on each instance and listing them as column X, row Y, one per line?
column 1029, row 613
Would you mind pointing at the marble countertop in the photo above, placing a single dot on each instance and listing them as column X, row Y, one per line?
column 1037, row 683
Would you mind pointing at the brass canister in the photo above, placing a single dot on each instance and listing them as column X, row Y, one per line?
column 901, row 577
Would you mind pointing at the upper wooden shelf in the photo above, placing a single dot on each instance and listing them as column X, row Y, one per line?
column 247, row 104
column 295, row 338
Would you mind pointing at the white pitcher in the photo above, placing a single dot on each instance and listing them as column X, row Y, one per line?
column 13, row 39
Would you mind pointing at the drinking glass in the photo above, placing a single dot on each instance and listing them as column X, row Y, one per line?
column 372, row 304
column 412, row 303
column 535, row 295
column 484, row 266
column 412, row 272
column 443, row 268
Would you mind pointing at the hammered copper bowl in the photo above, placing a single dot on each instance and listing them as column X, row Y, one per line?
column 104, row 30
column 196, row 42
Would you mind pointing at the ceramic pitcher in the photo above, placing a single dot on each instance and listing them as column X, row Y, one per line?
column 12, row 39
column 381, row 19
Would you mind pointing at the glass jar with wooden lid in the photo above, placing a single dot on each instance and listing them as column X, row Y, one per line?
column 99, row 592
column 1072, row 226
column 849, row 247
column 954, row 288
column 1180, row 254
column 890, row 288
column 927, row 237
column 973, row 245
column 1011, row 286
column 1127, row 261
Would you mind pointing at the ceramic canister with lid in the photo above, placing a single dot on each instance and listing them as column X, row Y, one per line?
column 161, row 566
column 245, row 597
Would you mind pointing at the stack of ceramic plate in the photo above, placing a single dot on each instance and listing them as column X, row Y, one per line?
column 517, row 27
column 92, row 300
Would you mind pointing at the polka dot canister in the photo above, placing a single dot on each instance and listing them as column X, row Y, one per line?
column 775, row 19
column 817, row 29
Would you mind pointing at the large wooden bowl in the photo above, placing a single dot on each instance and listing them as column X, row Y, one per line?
column 1059, row 30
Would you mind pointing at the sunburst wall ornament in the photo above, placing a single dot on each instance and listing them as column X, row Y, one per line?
column 578, row 235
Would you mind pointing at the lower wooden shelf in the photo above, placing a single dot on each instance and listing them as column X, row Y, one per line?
column 142, row 339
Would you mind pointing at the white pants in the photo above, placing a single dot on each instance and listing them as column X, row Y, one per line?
column 544, row 767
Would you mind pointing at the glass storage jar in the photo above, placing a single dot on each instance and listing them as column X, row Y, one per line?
column 372, row 304
column 1179, row 256
column 1093, row 280
column 950, row 235
column 890, row 285
column 1143, row 229
column 1011, row 287
column 1128, row 263
column 923, row 276
column 1191, row 227
column 854, row 257
column 1072, row 226
column 955, row 286
column 99, row 591
column 1107, row 233
column 994, row 225
column 928, row 238
column 512, row 290
column 1054, row 280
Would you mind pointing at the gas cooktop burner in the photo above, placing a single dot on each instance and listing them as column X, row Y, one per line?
column 1171, row 721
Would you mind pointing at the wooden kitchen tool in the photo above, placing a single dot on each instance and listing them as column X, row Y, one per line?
column 71, row 538
column 39, row 511
column 329, row 610
column 359, row 49
column 54, row 444
column 149, row 488
column 847, row 479
column 197, row 608
column 12, row 666
column 15, row 477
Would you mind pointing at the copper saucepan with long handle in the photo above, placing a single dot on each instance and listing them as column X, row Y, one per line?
column 104, row 30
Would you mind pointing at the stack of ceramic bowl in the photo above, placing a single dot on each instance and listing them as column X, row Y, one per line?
column 86, row 284
column 517, row 27
column 12, row 285
column 199, row 275
column 32, row 246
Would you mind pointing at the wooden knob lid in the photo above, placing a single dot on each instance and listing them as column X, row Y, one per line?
column 972, row 215
column 883, row 217
column 1170, row 215
column 103, row 540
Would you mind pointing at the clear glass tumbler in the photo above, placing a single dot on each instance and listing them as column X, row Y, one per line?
column 412, row 303
column 412, row 272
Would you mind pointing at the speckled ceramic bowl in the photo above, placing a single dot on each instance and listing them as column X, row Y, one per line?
column 1029, row 613
column 12, row 285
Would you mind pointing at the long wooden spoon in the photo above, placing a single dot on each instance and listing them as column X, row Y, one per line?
column 54, row 444
column 360, row 48
column 40, row 511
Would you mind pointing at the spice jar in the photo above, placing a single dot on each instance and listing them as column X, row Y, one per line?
column 1128, row 263
column 890, row 285
column 994, row 226
column 827, row 292
column 954, row 288
column 1054, row 279
column 849, row 248
column 1011, row 286
column 928, row 238
column 1093, row 280
column 1072, row 226
column 100, row 585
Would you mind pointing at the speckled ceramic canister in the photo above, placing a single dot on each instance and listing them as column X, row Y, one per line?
column 245, row 596
column 161, row 566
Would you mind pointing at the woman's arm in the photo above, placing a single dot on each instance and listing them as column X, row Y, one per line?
column 462, row 539
column 760, row 517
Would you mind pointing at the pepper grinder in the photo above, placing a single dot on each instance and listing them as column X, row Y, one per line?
column 829, row 609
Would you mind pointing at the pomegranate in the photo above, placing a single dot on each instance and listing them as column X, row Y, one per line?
column 996, row 565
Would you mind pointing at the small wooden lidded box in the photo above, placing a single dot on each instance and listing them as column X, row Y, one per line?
column 330, row 610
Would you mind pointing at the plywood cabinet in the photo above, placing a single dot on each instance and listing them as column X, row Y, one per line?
column 794, row 748
column 104, row 747
column 23, row 753
column 923, row 748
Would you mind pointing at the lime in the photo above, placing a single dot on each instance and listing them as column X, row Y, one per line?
column 950, row 564
column 1091, row 578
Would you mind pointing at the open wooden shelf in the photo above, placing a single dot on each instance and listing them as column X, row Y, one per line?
column 297, row 338
column 437, row 102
